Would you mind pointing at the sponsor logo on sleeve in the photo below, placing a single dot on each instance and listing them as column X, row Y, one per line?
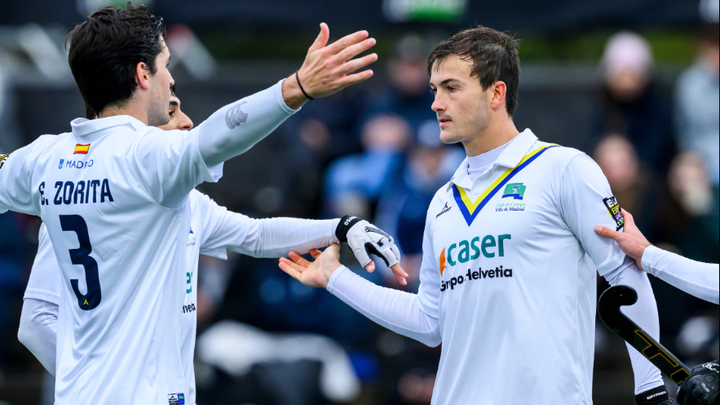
column 614, row 209
column 2, row 159
column 236, row 116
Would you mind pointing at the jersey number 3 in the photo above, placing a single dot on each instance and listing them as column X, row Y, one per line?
column 81, row 256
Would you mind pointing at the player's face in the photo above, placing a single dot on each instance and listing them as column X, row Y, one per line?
column 160, row 84
column 462, row 107
column 178, row 119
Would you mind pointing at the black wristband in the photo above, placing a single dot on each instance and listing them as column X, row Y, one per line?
column 344, row 226
column 653, row 396
column 297, row 77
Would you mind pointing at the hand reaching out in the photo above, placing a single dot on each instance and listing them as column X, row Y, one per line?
column 316, row 273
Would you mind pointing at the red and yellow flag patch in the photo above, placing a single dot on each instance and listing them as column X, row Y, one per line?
column 81, row 149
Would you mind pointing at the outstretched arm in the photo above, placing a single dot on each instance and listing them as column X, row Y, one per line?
column 396, row 310
column 695, row 278
column 276, row 237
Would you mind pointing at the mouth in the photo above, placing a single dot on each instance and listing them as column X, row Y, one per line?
column 444, row 121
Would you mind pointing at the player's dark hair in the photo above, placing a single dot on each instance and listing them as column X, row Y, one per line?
column 494, row 55
column 106, row 48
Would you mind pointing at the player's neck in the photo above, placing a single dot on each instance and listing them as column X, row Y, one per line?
column 132, row 108
column 497, row 133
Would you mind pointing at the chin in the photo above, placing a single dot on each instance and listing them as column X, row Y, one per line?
column 448, row 138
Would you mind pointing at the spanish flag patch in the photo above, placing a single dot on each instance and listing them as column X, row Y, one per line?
column 81, row 149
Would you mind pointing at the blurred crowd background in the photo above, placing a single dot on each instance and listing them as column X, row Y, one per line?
column 633, row 83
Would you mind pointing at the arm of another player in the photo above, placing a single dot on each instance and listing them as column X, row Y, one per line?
column 276, row 237
column 695, row 278
column 38, row 321
column 586, row 201
column 396, row 310
column 38, row 330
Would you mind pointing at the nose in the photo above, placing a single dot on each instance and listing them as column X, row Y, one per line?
column 184, row 122
column 437, row 104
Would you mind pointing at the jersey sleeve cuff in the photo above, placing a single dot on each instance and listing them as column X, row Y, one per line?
column 339, row 275
column 650, row 257
column 281, row 100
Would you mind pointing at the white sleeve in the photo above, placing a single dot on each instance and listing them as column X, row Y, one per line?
column 15, row 181
column 644, row 313
column 38, row 331
column 695, row 278
column 271, row 237
column 235, row 128
column 172, row 163
column 586, row 201
column 393, row 309
column 45, row 277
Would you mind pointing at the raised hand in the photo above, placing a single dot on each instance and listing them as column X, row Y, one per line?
column 328, row 68
column 316, row 273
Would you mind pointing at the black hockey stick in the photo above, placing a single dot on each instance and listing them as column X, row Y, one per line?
column 609, row 308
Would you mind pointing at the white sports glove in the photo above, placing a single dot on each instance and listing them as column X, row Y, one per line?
column 365, row 238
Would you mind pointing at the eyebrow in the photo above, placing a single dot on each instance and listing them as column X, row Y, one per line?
column 446, row 81
column 174, row 104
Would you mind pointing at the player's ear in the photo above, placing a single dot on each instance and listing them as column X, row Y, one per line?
column 142, row 75
column 499, row 90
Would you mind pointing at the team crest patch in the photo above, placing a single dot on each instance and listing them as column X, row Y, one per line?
column 176, row 399
column 514, row 190
column 2, row 159
column 614, row 209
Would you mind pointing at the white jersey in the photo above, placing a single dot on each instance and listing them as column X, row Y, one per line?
column 213, row 230
column 695, row 278
column 509, row 269
column 113, row 194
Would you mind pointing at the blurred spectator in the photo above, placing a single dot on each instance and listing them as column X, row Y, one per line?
column 631, row 182
column 631, row 102
column 402, row 209
column 407, row 93
column 354, row 183
column 697, row 105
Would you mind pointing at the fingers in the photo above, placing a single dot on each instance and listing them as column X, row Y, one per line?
column 298, row 259
column 370, row 267
column 349, row 80
column 346, row 41
column 315, row 253
column 607, row 232
column 354, row 50
column 400, row 274
column 321, row 39
column 629, row 219
column 287, row 266
column 362, row 257
column 355, row 64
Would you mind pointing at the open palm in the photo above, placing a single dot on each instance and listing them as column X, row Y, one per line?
column 316, row 273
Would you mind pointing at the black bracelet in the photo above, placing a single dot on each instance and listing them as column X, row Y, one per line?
column 301, row 87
